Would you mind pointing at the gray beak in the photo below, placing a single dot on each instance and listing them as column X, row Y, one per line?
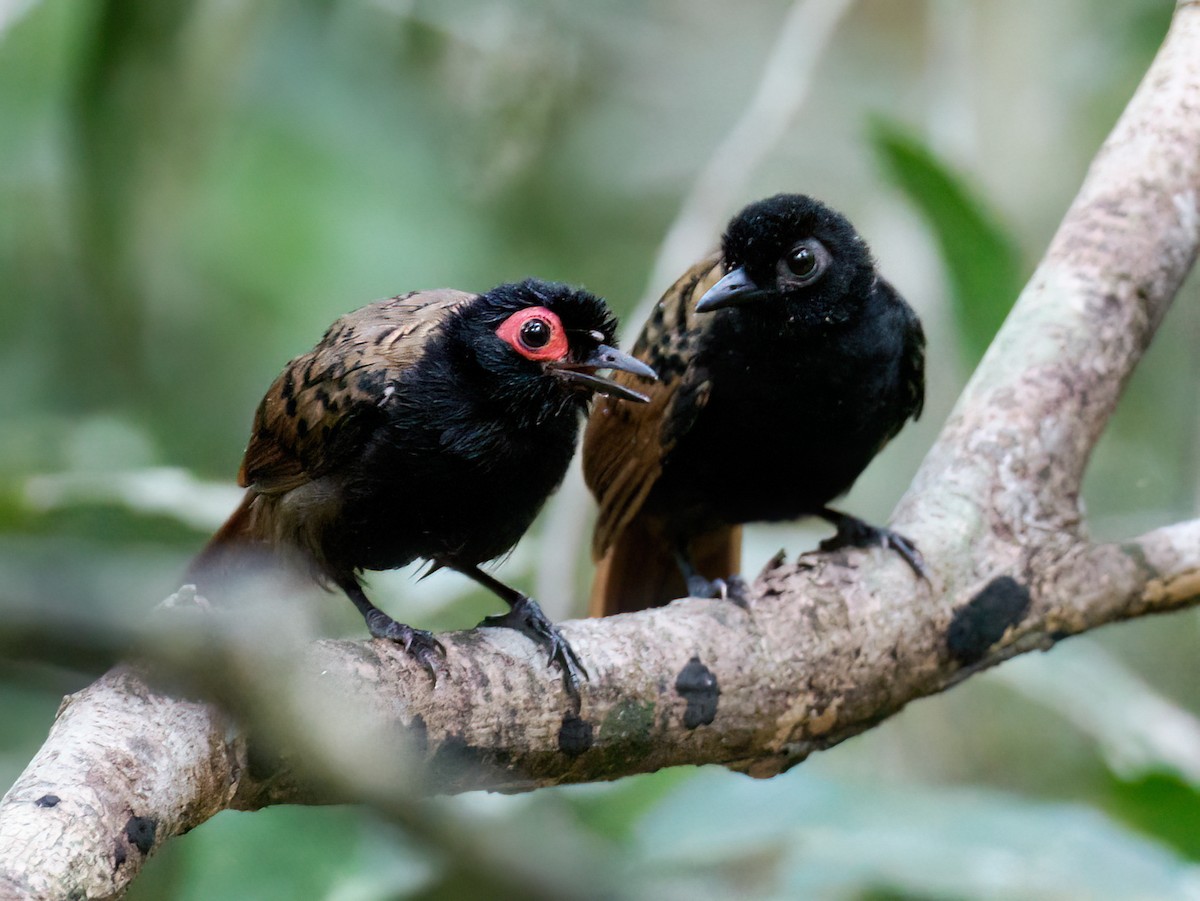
column 605, row 357
column 735, row 288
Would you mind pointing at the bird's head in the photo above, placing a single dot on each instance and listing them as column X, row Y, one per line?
column 545, row 340
column 793, row 249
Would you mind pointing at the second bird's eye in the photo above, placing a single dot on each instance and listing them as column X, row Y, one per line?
column 802, row 261
column 535, row 333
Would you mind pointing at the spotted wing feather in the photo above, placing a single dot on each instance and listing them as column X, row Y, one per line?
column 625, row 444
column 324, row 400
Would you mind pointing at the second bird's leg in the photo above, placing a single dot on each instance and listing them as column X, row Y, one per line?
column 733, row 588
column 419, row 644
column 853, row 532
column 526, row 617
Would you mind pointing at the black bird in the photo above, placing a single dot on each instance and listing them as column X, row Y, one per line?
column 786, row 363
column 431, row 425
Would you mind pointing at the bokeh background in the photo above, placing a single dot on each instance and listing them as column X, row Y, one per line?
column 191, row 191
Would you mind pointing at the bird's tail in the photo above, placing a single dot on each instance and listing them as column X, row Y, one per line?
column 639, row 569
column 234, row 551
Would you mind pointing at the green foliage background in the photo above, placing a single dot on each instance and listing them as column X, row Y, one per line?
column 191, row 191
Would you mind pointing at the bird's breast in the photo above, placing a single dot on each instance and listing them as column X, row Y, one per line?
column 784, row 431
column 462, row 489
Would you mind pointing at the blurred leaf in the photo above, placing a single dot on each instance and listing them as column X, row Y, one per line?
column 1138, row 730
column 802, row 837
column 280, row 853
column 982, row 260
column 614, row 809
column 28, row 710
column 1162, row 806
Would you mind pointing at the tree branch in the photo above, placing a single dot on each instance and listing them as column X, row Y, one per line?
column 831, row 645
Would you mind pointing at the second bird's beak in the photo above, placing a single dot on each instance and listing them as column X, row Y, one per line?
column 605, row 357
column 735, row 288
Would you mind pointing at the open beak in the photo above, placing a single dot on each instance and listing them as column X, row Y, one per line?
column 735, row 288
column 605, row 357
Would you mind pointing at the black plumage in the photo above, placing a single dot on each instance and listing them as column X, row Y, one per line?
column 786, row 363
column 431, row 425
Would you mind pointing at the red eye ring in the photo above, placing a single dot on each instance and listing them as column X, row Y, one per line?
column 527, row 323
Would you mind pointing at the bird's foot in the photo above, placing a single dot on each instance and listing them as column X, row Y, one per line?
column 853, row 532
column 417, row 643
column 733, row 588
column 526, row 617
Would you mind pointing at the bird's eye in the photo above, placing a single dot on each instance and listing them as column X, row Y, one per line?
column 536, row 334
column 802, row 261
column 802, row 265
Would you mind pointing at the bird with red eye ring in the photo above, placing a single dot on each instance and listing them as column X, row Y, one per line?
column 431, row 425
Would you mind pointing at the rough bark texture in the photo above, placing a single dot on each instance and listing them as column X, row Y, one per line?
column 832, row 644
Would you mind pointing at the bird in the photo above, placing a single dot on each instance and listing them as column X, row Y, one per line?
column 785, row 363
column 432, row 425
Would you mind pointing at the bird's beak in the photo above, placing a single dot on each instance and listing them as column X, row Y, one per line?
column 735, row 288
column 605, row 357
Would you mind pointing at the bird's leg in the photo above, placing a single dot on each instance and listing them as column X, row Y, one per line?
column 526, row 617
column 853, row 532
column 733, row 588
column 419, row 644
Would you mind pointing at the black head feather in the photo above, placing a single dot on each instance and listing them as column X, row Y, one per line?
column 763, row 238
column 526, row 386
column 580, row 311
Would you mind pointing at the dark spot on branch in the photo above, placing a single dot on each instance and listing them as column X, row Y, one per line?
column 140, row 832
column 982, row 621
column 1137, row 554
column 697, row 685
column 458, row 764
column 119, row 855
column 574, row 736
column 419, row 735
column 455, row 753
column 48, row 801
column 263, row 762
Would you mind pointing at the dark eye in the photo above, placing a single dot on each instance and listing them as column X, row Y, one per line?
column 802, row 261
column 535, row 333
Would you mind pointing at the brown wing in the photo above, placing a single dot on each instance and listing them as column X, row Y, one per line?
column 625, row 444
column 318, row 408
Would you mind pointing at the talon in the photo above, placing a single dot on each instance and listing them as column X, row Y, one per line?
column 908, row 551
column 733, row 589
column 700, row 587
column 853, row 532
column 736, row 590
column 417, row 643
column 526, row 617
